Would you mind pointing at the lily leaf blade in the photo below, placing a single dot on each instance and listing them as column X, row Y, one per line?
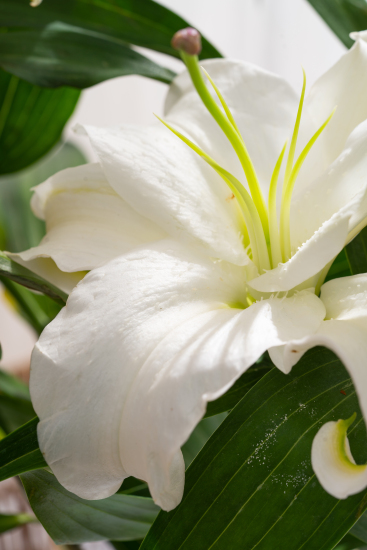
column 19, row 274
column 19, row 451
column 253, row 481
column 71, row 520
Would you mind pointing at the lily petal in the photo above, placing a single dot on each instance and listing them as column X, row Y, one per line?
column 137, row 387
column 87, row 223
column 333, row 190
column 334, row 464
column 163, row 180
column 264, row 107
column 342, row 86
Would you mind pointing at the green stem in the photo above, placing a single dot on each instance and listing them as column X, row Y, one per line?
column 191, row 62
column 251, row 215
column 276, row 254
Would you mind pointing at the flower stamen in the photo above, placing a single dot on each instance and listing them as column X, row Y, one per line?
column 276, row 254
column 248, row 209
column 285, row 234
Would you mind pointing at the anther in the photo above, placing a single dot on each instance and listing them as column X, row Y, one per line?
column 187, row 40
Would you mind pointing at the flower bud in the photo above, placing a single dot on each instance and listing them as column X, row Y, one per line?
column 187, row 40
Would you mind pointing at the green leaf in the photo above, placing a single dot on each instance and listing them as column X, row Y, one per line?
column 200, row 436
column 343, row 16
column 64, row 55
column 359, row 530
column 19, row 451
column 339, row 268
column 131, row 545
column 240, row 388
column 141, row 22
column 252, row 485
column 8, row 522
column 350, row 543
column 15, row 194
column 27, row 278
column 356, row 253
column 15, row 403
column 69, row 519
column 31, row 120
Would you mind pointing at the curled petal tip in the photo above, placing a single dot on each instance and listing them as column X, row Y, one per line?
column 35, row 3
column 187, row 40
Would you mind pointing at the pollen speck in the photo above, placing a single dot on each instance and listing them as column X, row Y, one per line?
column 230, row 197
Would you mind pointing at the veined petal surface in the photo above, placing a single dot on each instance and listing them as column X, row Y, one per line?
column 163, row 180
column 343, row 86
column 331, row 192
column 143, row 343
column 87, row 224
column 264, row 107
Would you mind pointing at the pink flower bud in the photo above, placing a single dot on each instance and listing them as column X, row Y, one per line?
column 188, row 40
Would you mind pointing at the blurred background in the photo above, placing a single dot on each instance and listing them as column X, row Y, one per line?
column 279, row 36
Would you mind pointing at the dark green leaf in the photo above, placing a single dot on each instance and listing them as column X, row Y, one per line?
column 12, row 387
column 64, row 55
column 19, row 451
column 15, row 403
column 15, row 194
column 356, row 252
column 131, row 545
column 200, row 436
column 339, row 268
column 8, row 522
column 343, row 16
column 25, row 277
column 70, row 519
column 252, row 485
column 350, row 543
column 359, row 530
column 141, row 22
column 134, row 486
column 239, row 388
column 31, row 120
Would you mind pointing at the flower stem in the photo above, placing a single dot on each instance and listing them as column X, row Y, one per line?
column 191, row 62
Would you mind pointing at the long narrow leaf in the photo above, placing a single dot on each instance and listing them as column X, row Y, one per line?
column 19, row 451
column 27, row 278
column 252, row 485
column 70, row 520
column 141, row 22
column 64, row 55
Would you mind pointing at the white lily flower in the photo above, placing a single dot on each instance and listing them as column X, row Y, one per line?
column 185, row 260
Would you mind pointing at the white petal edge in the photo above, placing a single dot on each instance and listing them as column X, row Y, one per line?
column 87, row 223
column 343, row 86
column 333, row 190
column 143, row 343
column 336, row 470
